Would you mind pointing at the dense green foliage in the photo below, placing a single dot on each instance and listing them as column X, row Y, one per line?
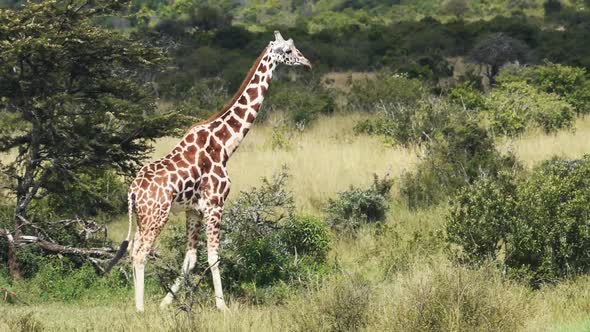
column 456, row 156
column 73, row 99
column 266, row 242
column 357, row 207
column 536, row 226
column 516, row 106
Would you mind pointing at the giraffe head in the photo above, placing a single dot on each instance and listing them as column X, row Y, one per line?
column 284, row 51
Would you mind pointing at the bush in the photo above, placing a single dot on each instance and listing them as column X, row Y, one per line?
column 372, row 95
column 89, row 194
column 466, row 95
column 302, row 101
column 515, row 106
column 357, row 207
column 266, row 242
column 456, row 156
column 409, row 124
column 67, row 280
column 569, row 83
column 538, row 226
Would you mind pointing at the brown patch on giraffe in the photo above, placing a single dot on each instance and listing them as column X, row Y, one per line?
column 190, row 138
column 202, row 136
column 214, row 125
column 252, row 93
column 243, row 100
column 170, row 166
column 234, row 124
column 194, row 172
column 250, row 118
column 204, row 162
column 218, row 171
column 240, row 112
column 183, row 174
column 266, row 58
column 176, row 158
column 215, row 183
column 263, row 90
column 190, row 154
column 222, row 186
column 223, row 134
column 256, row 107
column 256, row 79
column 225, row 115
column 262, row 68
column 214, row 150
column 144, row 184
column 182, row 164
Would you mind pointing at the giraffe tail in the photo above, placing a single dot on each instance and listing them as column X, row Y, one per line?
column 123, row 248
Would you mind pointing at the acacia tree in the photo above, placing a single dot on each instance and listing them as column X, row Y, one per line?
column 497, row 49
column 72, row 98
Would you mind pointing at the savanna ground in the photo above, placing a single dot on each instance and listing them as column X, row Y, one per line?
column 395, row 277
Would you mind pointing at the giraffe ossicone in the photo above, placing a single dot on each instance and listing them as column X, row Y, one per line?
column 194, row 175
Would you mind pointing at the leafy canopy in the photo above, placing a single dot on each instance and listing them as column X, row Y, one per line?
column 72, row 95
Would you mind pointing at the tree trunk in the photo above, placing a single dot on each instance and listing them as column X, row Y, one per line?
column 13, row 266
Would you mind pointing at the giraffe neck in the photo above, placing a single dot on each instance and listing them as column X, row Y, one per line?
column 240, row 113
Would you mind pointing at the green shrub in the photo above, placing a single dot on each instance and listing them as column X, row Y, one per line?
column 89, row 194
column 570, row 83
column 456, row 156
column 410, row 124
column 515, row 106
column 371, row 95
column 537, row 226
column 357, row 207
column 302, row 101
column 467, row 96
column 67, row 280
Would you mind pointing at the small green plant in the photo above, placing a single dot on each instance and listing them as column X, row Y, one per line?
column 357, row 207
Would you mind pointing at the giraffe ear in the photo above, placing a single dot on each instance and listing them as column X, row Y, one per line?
column 290, row 42
column 278, row 36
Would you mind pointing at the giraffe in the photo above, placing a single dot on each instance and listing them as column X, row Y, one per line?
column 194, row 176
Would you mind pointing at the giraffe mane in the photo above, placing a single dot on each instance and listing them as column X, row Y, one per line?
column 238, row 92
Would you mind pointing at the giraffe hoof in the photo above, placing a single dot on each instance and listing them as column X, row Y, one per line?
column 166, row 301
column 222, row 307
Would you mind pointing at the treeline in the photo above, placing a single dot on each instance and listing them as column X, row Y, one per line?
column 207, row 42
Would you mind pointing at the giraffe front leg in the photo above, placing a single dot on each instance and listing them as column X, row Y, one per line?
column 193, row 225
column 213, row 227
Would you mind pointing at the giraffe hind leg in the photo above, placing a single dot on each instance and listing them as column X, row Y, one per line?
column 193, row 225
column 213, row 225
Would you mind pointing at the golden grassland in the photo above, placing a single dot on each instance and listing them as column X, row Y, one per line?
column 391, row 280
